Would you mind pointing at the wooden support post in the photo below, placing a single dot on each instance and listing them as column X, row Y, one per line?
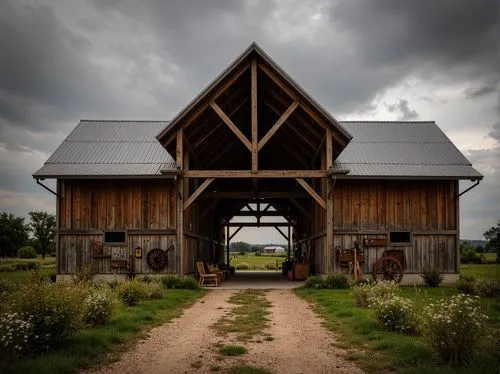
column 330, row 263
column 180, row 211
column 255, row 139
column 329, row 148
column 311, row 192
column 197, row 193
column 231, row 125
column 227, row 245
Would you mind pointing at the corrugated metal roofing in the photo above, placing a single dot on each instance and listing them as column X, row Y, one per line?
column 377, row 150
column 109, row 148
column 402, row 149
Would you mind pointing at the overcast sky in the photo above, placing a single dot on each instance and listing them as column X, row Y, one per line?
column 374, row 59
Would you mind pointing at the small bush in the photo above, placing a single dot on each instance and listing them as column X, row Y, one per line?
column 314, row 282
column 25, row 266
column 55, row 310
column 465, row 286
column 171, row 281
column 132, row 292
column 189, row 283
column 99, row 305
column 242, row 253
column 432, row 277
column 270, row 266
column 26, row 252
column 146, row 279
column 454, row 326
column 257, row 253
column 396, row 314
column 232, row 350
column 470, row 256
column 83, row 275
column 7, row 287
column 337, row 281
column 487, row 287
column 154, row 290
column 364, row 293
column 242, row 266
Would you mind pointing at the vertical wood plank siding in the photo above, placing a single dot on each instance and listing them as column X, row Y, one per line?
column 370, row 209
column 88, row 208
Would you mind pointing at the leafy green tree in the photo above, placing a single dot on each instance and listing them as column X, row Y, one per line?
column 43, row 227
column 493, row 238
column 13, row 234
column 240, row 247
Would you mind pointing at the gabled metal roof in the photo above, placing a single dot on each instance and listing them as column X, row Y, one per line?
column 109, row 149
column 400, row 149
column 395, row 150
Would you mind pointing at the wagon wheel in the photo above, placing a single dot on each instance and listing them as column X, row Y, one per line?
column 157, row 259
column 387, row 268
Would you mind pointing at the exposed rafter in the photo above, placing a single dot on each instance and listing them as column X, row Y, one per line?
column 231, row 125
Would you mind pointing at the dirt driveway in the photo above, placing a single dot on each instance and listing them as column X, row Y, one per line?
column 189, row 345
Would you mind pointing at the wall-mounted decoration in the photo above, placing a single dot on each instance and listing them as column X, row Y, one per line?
column 157, row 259
column 97, row 250
column 375, row 242
column 138, row 252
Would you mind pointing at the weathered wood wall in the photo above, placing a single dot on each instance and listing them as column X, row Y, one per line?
column 87, row 208
column 371, row 209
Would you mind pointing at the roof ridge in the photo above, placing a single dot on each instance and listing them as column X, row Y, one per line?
column 124, row 120
column 372, row 121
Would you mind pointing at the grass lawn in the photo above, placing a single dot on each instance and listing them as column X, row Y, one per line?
column 47, row 268
column 263, row 262
column 99, row 345
column 377, row 350
column 481, row 270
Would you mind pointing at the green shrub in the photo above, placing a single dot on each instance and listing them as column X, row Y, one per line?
column 242, row 266
column 396, row 314
column 146, row 279
column 465, row 286
column 469, row 256
column 360, row 282
column 270, row 266
column 242, row 253
column 365, row 293
column 83, row 274
column 258, row 253
column 25, row 266
column 432, row 277
column 337, row 281
column 189, row 283
column 314, row 282
column 454, row 327
column 171, row 281
column 55, row 310
column 26, row 252
column 99, row 305
column 154, row 290
column 487, row 287
column 7, row 287
column 132, row 292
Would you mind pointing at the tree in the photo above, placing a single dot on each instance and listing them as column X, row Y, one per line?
column 13, row 234
column 240, row 247
column 493, row 238
column 43, row 227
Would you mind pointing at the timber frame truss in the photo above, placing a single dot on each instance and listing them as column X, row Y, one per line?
column 254, row 136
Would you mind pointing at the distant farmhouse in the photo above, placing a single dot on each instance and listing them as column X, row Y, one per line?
column 154, row 197
column 274, row 249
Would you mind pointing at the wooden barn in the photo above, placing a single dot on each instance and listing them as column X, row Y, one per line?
column 153, row 197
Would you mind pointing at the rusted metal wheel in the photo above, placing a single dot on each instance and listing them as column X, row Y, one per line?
column 387, row 268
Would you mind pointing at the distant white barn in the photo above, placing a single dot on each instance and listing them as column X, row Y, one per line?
column 274, row 249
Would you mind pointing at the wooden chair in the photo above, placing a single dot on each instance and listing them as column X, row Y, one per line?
column 206, row 278
column 215, row 270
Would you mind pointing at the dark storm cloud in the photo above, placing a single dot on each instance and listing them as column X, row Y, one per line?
column 404, row 110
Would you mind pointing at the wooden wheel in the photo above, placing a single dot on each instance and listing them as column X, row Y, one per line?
column 157, row 259
column 387, row 268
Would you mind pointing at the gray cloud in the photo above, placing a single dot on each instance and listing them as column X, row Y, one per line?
column 66, row 60
column 404, row 110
